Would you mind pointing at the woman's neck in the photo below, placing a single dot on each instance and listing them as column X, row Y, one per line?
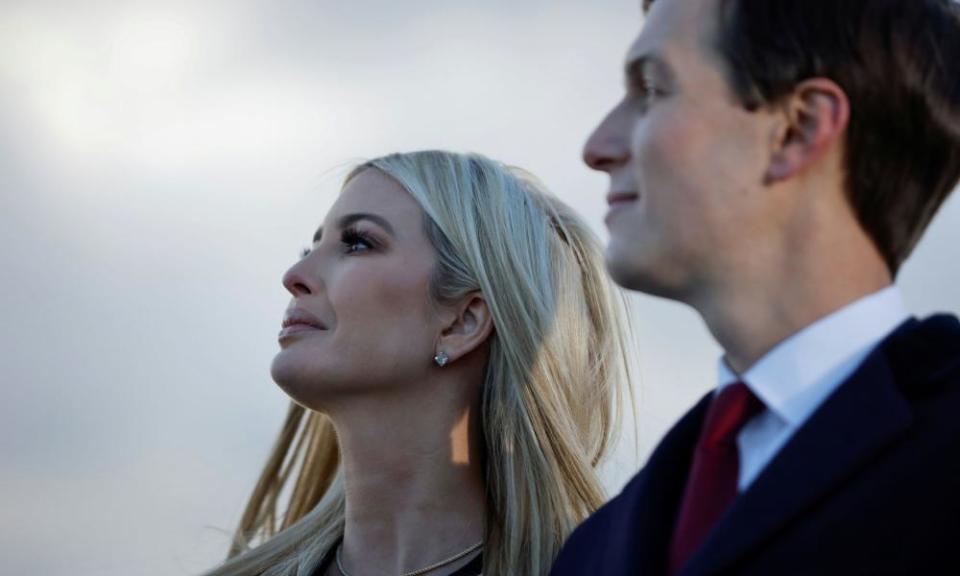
column 414, row 484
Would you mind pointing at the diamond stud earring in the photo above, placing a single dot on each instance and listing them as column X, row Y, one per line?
column 441, row 359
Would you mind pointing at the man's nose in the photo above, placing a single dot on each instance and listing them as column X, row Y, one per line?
column 609, row 146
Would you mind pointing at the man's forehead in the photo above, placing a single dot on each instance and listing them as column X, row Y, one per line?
column 673, row 26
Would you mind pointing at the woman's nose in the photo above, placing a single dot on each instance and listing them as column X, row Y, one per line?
column 297, row 281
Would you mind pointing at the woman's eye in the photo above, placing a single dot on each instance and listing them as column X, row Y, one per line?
column 355, row 241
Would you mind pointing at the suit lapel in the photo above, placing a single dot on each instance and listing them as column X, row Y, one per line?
column 657, row 500
column 864, row 416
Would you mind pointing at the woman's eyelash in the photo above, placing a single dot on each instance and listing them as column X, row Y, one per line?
column 351, row 237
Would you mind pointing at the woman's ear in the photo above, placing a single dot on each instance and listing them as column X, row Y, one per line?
column 467, row 328
column 815, row 117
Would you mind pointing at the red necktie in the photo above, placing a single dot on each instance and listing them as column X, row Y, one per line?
column 712, row 482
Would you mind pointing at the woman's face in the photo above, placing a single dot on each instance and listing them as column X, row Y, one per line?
column 360, row 319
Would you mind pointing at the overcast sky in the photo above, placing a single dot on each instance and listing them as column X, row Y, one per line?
column 161, row 165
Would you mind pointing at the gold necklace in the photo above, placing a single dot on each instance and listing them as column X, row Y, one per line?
column 429, row 568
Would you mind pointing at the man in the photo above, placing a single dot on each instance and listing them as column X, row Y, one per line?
column 772, row 164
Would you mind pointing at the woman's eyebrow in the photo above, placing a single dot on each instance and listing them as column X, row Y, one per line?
column 349, row 219
column 378, row 220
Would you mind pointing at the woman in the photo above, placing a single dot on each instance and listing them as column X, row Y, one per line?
column 455, row 356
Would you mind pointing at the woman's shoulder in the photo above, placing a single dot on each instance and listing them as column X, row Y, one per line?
column 325, row 564
column 474, row 568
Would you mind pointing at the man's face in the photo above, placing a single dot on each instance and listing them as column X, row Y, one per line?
column 686, row 161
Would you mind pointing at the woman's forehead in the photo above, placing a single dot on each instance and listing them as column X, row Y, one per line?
column 374, row 196
column 373, row 188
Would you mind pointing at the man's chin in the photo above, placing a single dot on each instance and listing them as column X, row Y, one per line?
column 630, row 272
column 624, row 266
column 625, row 273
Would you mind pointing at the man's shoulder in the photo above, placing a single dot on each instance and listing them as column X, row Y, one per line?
column 925, row 359
column 586, row 545
column 924, row 356
column 912, row 377
column 629, row 530
column 615, row 511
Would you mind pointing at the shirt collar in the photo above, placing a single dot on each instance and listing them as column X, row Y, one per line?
column 795, row 376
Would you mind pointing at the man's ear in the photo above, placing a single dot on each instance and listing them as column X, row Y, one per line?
column 467, row 328
column 814, row 118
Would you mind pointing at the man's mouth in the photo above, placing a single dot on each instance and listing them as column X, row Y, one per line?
column 620, row 198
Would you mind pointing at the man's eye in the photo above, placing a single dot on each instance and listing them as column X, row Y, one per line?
column 650, row 90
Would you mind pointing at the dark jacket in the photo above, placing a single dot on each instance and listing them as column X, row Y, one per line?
column 870, row 484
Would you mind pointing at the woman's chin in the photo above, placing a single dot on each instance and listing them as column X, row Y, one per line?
column 291, row 376
column 305, row 384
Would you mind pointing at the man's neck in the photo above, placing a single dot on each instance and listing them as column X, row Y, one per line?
column 750, row 315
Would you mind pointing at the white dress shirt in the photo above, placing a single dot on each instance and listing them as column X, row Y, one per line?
column 800, row 373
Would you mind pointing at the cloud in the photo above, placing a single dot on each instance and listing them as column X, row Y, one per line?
column 160, row 166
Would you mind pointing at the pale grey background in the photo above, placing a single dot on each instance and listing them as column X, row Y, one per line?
column 161, row 164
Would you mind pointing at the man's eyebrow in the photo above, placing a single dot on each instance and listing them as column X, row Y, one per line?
column 637, row 66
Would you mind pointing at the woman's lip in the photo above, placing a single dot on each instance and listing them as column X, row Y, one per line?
column 298, row 316
column 297, row 328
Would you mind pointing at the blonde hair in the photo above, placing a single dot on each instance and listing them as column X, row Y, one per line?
column 554, row 383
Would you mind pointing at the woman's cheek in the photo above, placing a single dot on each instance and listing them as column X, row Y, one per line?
column 383, row 296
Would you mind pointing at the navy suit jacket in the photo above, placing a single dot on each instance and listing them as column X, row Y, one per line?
column 870, row 484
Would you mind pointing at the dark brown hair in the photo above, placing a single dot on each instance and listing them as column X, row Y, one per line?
column 898, row 61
